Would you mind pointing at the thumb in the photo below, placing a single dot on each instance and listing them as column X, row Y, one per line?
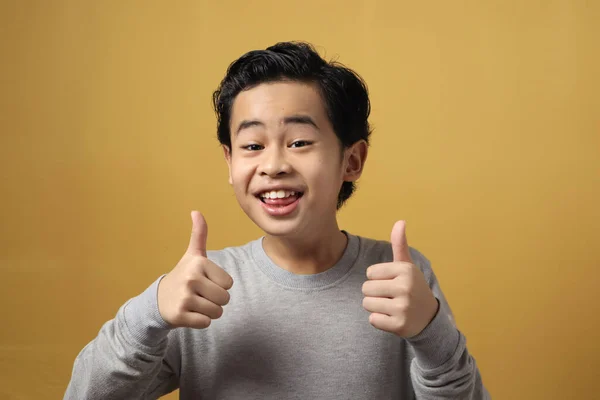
column 399, row 243
column 199, row 234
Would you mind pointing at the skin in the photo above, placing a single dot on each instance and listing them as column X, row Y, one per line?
column 270, row 148
column 397, row 294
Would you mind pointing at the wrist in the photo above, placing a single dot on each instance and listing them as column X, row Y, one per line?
column 143, row 319
column 437, row 342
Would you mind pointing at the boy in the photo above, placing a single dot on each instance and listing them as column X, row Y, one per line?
column 308, row 311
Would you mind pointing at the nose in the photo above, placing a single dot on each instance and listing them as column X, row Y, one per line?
column 273, row 163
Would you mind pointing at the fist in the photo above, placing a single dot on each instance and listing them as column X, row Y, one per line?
column 195, row 291
column 397, row 294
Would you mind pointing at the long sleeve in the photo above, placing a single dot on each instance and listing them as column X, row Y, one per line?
column 442, row 367
column 127, row 360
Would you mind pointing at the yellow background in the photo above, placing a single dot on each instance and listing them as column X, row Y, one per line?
column 487, row 142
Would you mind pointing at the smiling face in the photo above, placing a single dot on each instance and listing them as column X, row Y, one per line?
column 286, row 164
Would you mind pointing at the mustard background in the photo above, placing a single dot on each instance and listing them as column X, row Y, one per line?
column 486, row 141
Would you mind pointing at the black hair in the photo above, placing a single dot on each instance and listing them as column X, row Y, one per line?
column 344, row 92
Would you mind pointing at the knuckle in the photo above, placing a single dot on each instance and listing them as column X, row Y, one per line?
column 398, row 324
column 229, row 283
column 218, row 297
column 190, row 276
column 365, row 287
column 399, row 287
column 365, row 302
column 186, row 303
column 188, row 284
column 200, row 322
column 399, row 308
column 204, row 323
column 186, row 300
column 181, row 308
column 226, row 298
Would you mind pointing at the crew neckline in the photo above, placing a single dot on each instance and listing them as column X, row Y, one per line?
column 319, row 280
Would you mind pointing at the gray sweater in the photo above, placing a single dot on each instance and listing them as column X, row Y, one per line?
column 282, row 336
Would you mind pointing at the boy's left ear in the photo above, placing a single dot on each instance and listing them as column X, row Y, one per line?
column 227, row 154
column 355, row 157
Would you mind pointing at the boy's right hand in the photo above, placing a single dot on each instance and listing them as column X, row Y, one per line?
column 193, row 293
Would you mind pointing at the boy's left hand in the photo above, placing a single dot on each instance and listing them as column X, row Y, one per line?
column 397, row 294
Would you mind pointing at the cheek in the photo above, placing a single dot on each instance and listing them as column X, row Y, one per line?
column 327, row 173
column 241, row 174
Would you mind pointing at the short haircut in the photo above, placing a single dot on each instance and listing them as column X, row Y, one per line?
column 344, row 92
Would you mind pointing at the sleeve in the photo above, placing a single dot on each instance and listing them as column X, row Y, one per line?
column 442, row 367
column 129, row 358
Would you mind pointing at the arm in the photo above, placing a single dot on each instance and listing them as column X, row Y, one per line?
column 134, row 356
column 127, row 360
column 442, row 367
column 405, row 299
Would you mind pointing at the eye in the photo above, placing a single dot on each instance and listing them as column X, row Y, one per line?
column 252, row 147
column 300, row 143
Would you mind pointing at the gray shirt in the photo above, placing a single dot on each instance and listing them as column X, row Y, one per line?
column 282, row 336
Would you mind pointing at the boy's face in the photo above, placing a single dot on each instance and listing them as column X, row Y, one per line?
column 286, row 164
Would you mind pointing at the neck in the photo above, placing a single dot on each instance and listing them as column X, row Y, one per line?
column 307, row 254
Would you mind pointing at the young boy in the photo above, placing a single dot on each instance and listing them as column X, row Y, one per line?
column 308, row 311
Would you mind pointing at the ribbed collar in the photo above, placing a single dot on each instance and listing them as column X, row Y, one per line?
column 306, row 282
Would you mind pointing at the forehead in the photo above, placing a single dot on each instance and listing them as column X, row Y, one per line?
column 274, row 100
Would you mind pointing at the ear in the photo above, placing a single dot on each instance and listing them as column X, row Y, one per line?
column 227, row 154
column 355, row 157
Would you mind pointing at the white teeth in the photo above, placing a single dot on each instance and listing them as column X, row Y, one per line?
column 277, row 194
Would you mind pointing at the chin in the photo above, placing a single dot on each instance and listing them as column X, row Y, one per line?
column 289, row 227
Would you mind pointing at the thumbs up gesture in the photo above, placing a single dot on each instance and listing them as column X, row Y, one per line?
column 397, row 294
column 195, row 291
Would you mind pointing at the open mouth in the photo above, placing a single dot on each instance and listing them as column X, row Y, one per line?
column 279, row 197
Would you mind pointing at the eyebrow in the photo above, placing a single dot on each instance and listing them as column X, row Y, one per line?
column 293, row 119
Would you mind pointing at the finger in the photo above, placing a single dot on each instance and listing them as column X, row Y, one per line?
column 218, row 275
column 380, row 305
column 384, row 322
column 205, row 307
column 385, row 288
column 385, row 270
column 211, row 291
column 199, row 234
column 399, row 243
column 195, row 320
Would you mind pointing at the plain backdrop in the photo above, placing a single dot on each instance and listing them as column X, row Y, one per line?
column 487, row 141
